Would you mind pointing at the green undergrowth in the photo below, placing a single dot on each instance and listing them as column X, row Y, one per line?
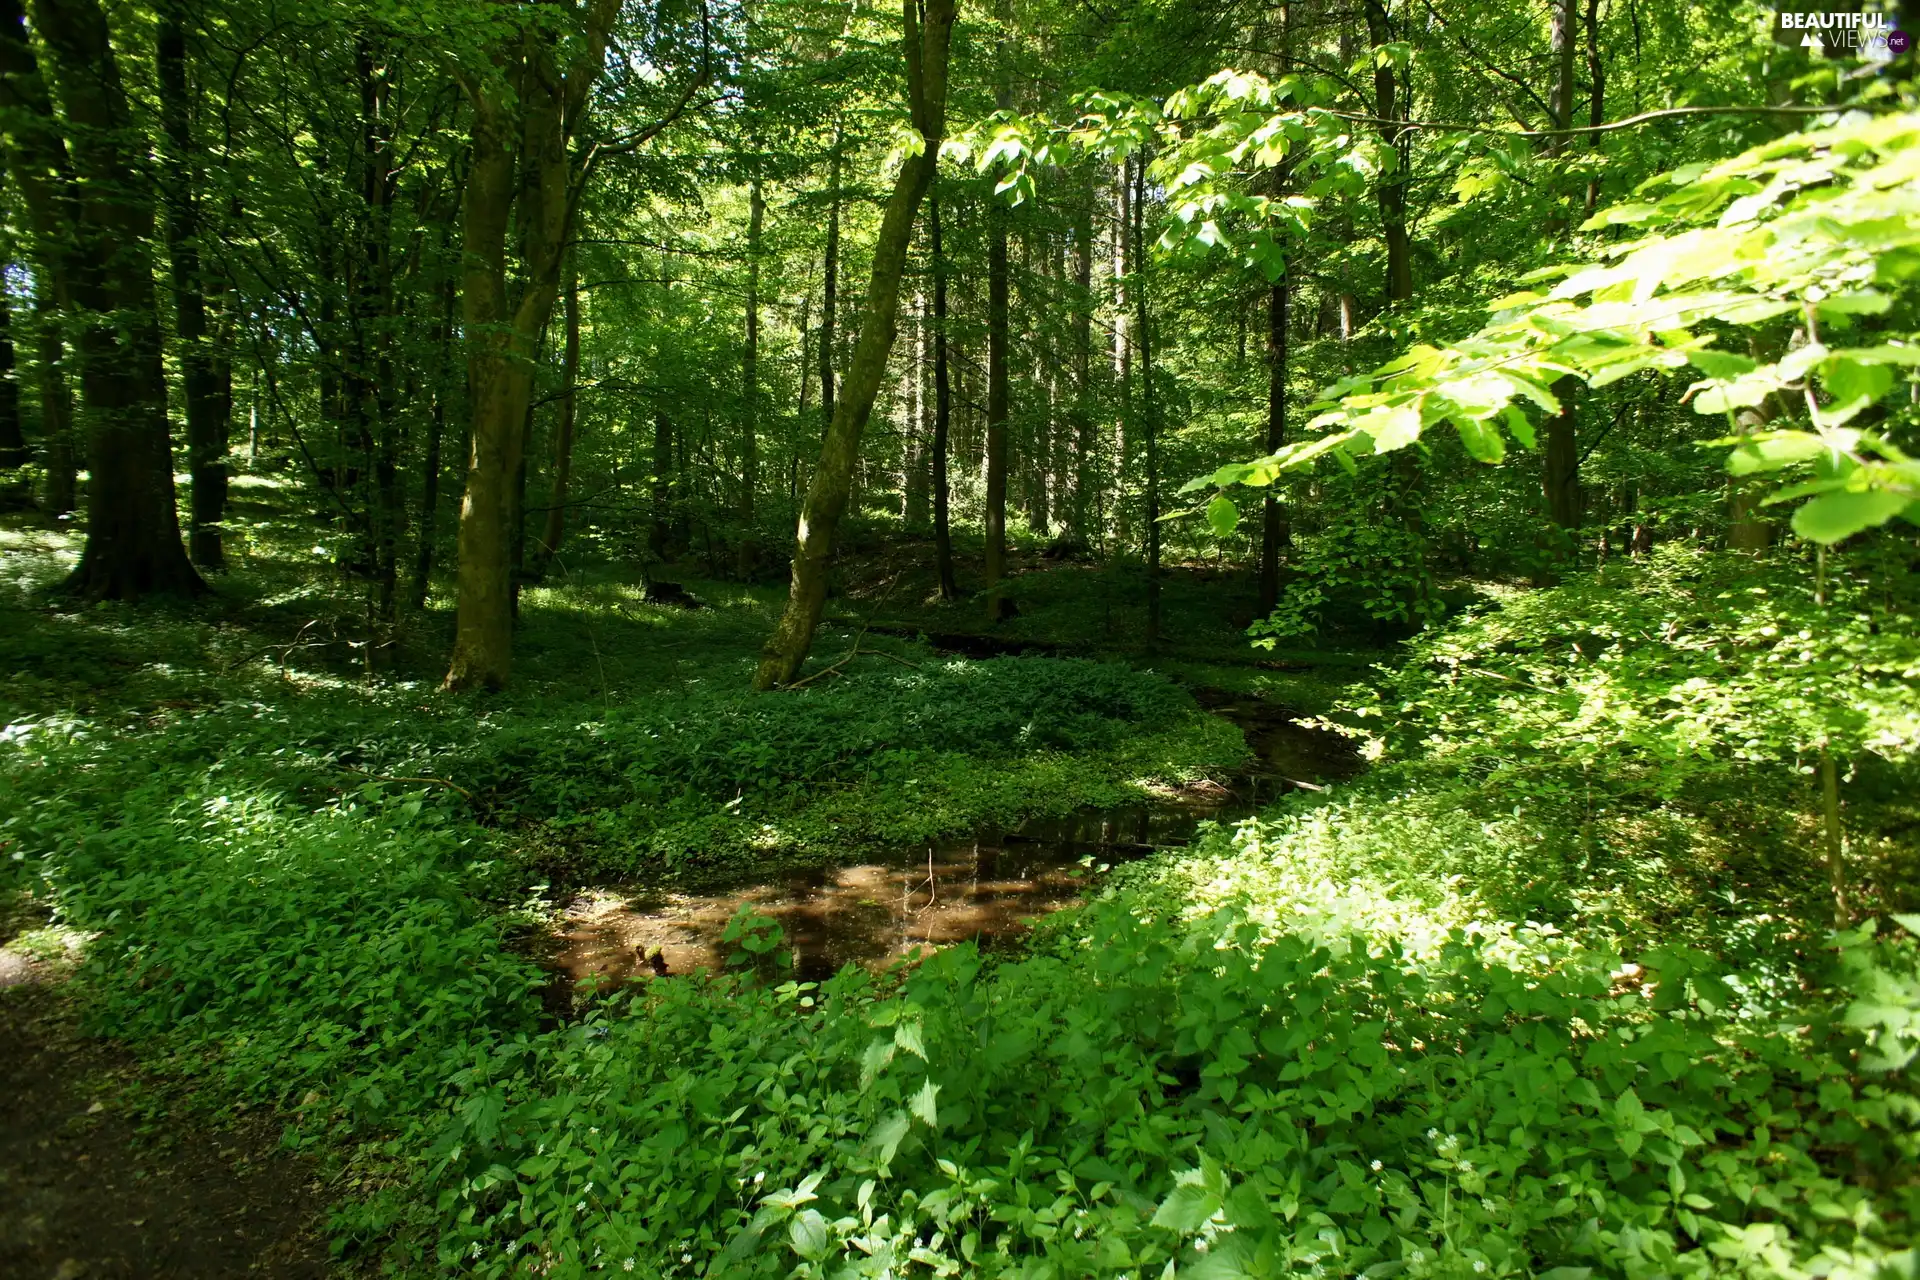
column 718, row 779
column 1551, row 992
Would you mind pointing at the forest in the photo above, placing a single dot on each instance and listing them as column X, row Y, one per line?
column 1022, row 638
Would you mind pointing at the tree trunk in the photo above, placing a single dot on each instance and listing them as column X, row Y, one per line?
column 524, row 138
column 133, row 546
column 830, row 285
column 206, row 424
column 929, row 29
column 658, row 531
column 13, row 441
column 563, row 432
column 942, row 413
column 430, row 468
column 56, row 408
column 1149, row 415
column 750, row 384
column 1597, row 99
column 995, row 516
column 1276, row 533
column 1082, row 365
column 1391, row 191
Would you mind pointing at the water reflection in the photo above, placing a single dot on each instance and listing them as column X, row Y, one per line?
column 981, row 889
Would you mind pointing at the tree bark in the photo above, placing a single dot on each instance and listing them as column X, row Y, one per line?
column 206, row 425
column 133, row 546
column 995, row 515
column 929, row 30
column 830, row 285
column 661, row 493
column 1391, row 191
column 1082, row 365
column 520, row 172
column 750, row 384
column 942, row 413
column 1149, row 411
column 563, row 432
column 1276, row 533
column 56, row 407
column 13, row 441
column 430, row 466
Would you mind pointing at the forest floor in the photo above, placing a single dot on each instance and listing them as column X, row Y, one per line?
column 315, row 889
column 105, row 1174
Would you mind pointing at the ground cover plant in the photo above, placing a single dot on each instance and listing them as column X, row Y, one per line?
column 1386, row 531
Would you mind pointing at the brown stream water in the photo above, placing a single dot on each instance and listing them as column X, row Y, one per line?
column 982, row 889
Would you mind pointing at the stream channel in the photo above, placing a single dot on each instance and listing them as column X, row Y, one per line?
column 982, row 888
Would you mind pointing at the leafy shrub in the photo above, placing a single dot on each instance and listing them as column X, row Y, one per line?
column 1223, row 1097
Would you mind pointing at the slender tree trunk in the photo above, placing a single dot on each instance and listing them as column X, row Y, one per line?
column 830, row 285
column 1276, row 532
column 206, row 427
column 942, row 413
column 563, row 432
column 1391, row 191
column 750, row 384
column 658, row 531
column 1082, row 365
column 995, row 515
column 430, row 467
column 56, row 407
column 1122, row 347
column 1597, row 99
column 133, row 546
column 929, row 29
column 1149, row 415
column 13, row 441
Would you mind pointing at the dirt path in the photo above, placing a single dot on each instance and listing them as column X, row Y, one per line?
column 89, row 1190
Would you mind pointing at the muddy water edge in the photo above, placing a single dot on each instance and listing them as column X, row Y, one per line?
column 981, row 889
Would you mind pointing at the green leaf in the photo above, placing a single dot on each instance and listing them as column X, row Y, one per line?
column 809, row 1235
column 887, row 1135
column 1393, row 428
column 1481, row 439
column 1833, row 517
column 1223, row 515
column 1854, row 386
column 1187, row 1208
column 907, row 1036
column 922, row 1104
column 1773, row 451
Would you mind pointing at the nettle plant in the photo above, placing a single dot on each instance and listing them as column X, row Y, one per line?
column 1818, row 232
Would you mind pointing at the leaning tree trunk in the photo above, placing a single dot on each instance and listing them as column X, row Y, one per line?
column 133, row 546
column 206, row 413
column 929, row 30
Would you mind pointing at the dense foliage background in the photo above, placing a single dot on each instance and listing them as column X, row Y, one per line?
column 457, row 454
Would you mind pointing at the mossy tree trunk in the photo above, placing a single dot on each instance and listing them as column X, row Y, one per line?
column 520, row 175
